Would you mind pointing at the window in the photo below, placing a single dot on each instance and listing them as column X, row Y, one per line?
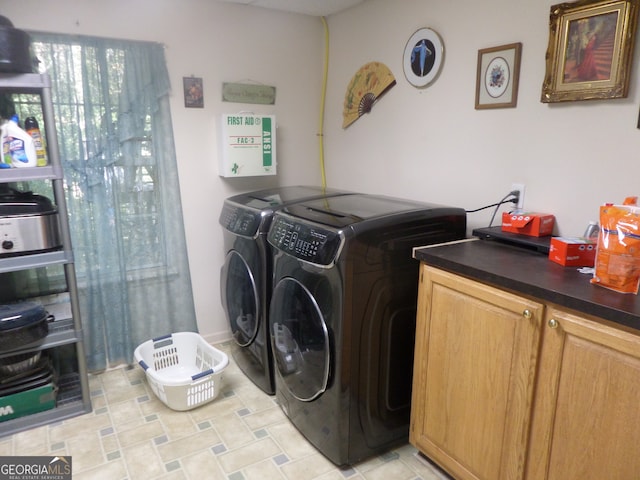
column 115, row 139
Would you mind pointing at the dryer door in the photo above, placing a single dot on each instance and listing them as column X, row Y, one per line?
column 300, row 340
column 240, row 298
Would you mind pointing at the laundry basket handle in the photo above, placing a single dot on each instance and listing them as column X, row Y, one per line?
column 163, row 341
column 202, row 374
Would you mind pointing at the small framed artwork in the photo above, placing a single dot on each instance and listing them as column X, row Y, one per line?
column 422, row 59
column 590, row 50
column 193, row 92
column 497, row 76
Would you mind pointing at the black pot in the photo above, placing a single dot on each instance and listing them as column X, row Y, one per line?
column 15, row 49
column 18, row 364
column 39, row 376
column 22, row 324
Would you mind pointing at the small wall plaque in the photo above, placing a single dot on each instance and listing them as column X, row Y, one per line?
column 193, row 92
column 246, row 93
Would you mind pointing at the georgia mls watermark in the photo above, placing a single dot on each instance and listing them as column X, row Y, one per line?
column 35, row 468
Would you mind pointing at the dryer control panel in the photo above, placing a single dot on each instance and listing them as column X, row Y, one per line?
column 304, row 241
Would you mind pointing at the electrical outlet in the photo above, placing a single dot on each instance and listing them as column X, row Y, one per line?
column 520, row 188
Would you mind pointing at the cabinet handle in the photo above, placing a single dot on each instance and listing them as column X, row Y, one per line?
column 527, row 313
column 553, row 323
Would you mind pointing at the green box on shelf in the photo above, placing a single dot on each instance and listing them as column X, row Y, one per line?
column 28, row 402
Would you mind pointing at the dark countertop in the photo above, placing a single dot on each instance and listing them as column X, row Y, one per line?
column 531, row 273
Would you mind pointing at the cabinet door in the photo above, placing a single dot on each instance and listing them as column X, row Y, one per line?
column 475, row 363
column 587, row 410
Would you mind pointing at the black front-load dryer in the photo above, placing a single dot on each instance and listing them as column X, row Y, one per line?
column 342, row 316
column 245, row 278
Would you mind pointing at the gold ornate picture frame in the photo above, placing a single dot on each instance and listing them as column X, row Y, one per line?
column 498, row 76
column 590, row 50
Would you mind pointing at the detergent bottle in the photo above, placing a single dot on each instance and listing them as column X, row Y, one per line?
column 5, row 159
column 20, row 145
column 33, row 129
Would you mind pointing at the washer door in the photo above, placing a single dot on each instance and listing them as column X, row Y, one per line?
column 240, row 298
column 300, row 340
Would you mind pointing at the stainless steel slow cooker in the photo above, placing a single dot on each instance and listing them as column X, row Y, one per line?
column 29, row 223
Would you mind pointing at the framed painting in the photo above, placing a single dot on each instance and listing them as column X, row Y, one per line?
column 590, row 50
column 193, row 92
column 497, row 76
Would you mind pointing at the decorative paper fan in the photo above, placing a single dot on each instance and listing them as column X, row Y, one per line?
column 369, row 83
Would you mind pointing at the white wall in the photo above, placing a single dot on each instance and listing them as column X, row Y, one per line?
column 431, row 144
column 220, row 43
column 427, row 144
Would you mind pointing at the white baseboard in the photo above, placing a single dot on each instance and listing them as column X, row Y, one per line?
column 217, row 337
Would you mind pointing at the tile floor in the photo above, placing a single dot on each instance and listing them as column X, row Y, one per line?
column 241, row 435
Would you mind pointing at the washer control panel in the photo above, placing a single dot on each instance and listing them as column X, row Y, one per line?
column 241, row 221
column 304, row 241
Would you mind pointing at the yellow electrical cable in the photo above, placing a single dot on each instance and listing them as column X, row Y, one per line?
column 322, row 101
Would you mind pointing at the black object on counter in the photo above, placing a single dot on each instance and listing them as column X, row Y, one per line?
column 540, row 244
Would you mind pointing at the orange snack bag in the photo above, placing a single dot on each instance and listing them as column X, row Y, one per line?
column 617, row 264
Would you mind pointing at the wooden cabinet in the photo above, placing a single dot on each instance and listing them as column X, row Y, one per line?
column 506, row 387
column 587, row 408
column 475, row 362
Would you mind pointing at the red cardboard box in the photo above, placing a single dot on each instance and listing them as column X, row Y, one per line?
column 532, row 224
column 573, row 252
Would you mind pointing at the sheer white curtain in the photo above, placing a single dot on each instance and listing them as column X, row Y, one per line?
column 111, row 100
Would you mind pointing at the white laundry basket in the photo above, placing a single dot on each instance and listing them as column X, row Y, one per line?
column 183, row 370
